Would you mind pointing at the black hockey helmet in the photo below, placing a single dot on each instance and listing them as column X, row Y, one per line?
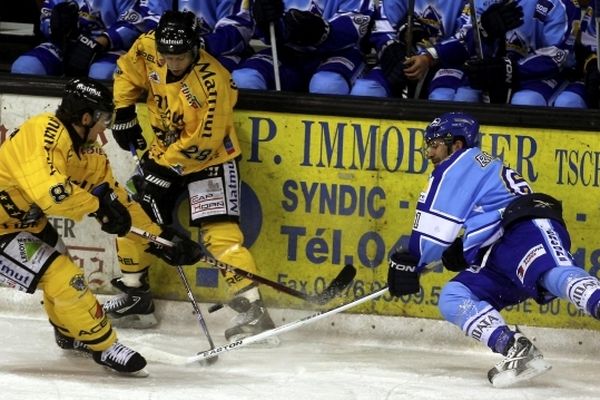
column 177, row 33
column 83, row 95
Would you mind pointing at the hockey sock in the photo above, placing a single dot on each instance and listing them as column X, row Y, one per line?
column 575, row 285
column 132, row 279
column 500, row 340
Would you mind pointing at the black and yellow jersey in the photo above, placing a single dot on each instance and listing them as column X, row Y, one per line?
column 192, row 117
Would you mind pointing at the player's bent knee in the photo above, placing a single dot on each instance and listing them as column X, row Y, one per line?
column 327, row 82
column 368, row 87
column 248, row 78
column 442, row 94
column 102, row 71
column 28, row 65
column 570, row 100
column 452, row 297
column 528, row 98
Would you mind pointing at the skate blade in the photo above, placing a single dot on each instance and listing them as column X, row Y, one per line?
column 134, row 321
column 142, row 373
column 535, row 367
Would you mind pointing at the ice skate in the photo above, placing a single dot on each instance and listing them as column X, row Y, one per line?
column 523, row 361
column 133, row 308
column 68, row 343
column 252, row 318
column 122, row 359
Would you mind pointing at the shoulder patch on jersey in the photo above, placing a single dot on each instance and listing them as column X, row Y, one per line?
column 542, row 9
column 154, row 77
column 483, row 159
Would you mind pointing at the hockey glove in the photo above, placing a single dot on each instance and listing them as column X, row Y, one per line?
column 497, row 76
column 305, row 28
column 402, row 273
column 392, row 60
column 267, row 11
column 80, row 55
column 500, row 18
column 157, row 178
column 420, row 35
column 64, row 23
column 592, row 83
column 111, row 214
column 126, row 129
column 453, row 257
column 184, row 251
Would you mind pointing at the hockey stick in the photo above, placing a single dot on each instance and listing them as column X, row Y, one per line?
column 138, row 166
column 409, row 47
column 597, row 20
column 477, row 39
column 274, row 55
column 169, row 358
column 182, row 276
column 340, row 282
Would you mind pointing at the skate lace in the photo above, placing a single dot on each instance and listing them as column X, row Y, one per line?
column 116, row 302
column 248, row 317
column 516, row 354
column 118, row 353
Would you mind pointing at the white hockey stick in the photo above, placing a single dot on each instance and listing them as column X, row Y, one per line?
column 274, row 55
column 174, row 359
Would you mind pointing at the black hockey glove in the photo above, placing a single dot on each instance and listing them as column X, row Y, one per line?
column 392, row 59
column 184, row 251
column 500, row 18
column 402, row 273
column 64, row 23
column 592, row 83
column 157, row 178
column 111, row 214
column 127, row 130
column 80, row 55
column 497, row 76
column 305, row 28
column 267, row 11
column 453, row 257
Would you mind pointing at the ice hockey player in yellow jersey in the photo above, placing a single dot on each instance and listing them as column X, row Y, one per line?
column 194, row 147
column 53, row 165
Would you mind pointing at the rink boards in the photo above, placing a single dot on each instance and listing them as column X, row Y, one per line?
column 322, row 191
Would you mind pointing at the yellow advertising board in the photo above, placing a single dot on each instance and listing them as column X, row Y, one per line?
column 320, row 192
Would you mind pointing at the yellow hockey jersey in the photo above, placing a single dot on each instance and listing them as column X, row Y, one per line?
column 43, row 173
column 192, row 118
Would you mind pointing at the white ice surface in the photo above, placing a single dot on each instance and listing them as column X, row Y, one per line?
column 344, row 357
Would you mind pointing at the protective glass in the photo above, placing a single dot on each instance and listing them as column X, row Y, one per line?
column 105, row 117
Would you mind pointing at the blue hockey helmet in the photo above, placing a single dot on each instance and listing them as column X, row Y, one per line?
column 452, row 126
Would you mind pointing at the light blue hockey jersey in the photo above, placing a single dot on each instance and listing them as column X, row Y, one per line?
column 121, row 20
column 226, row 25
column 441, row 18
column 348, row 23
column 540, row 46
column 466, row 194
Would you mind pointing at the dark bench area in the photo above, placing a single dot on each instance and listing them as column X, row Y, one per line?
column 19, row 30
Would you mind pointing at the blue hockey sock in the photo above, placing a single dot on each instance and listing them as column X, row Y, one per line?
column 500, row 340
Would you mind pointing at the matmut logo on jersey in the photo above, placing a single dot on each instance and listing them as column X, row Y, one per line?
column 529, row 258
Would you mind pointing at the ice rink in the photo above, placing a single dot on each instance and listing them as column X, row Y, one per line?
column 344, row 357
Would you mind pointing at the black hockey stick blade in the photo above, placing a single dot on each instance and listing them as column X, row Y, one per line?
column 337, row 285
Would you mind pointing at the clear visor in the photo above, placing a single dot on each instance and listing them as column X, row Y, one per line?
column 433, row 144
column 107, row 118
